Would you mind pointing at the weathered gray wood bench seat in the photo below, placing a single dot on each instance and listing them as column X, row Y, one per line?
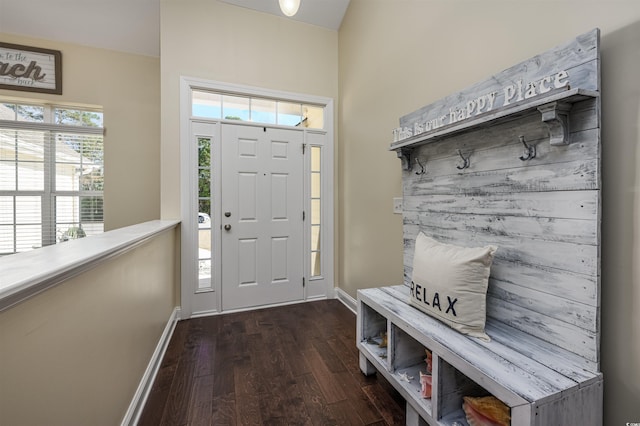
column 513, row 162
column 541, row 383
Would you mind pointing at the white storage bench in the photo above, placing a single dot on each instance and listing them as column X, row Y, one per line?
column 541, row 383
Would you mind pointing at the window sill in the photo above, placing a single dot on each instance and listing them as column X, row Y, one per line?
column 27, row 274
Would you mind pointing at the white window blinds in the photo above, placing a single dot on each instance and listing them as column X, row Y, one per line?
column 51, row 175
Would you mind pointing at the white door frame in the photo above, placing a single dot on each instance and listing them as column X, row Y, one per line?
column 317, row 287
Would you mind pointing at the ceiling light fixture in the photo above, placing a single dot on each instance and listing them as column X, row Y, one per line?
column 289, row 7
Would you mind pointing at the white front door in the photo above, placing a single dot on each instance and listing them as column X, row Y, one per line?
column 261, row 216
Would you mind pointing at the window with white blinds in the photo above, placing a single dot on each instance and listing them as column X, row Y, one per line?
column 51, row 175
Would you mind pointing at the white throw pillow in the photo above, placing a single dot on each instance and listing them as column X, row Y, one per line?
column 450, row 283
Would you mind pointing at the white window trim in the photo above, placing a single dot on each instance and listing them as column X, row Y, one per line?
column 187, row 188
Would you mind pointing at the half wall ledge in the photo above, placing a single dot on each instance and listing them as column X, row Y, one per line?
column 24, row 275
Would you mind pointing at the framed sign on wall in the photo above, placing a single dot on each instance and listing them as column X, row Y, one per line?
column 30, row 69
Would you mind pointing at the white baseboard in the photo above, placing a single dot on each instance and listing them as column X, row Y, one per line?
column 346, row 300
column 142, row 393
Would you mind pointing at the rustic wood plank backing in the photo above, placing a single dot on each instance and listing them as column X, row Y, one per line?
column 579, row 57
column 543, row 213
column 559, row 204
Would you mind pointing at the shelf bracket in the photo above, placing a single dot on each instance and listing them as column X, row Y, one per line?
column 404, row 155
column 556, row 116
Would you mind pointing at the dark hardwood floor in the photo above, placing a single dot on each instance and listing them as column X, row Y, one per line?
column 292, row 365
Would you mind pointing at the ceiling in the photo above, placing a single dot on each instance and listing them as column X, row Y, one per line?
column 324, row 13
column 129, row 25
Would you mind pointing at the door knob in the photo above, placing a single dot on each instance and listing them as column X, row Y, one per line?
column 227, row 227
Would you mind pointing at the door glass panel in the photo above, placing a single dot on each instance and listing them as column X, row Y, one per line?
column 316, row 269
column 204, row 213
column 316, row 213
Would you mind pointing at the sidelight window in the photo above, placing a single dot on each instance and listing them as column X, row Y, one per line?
column 316, row 211
column 204, row 213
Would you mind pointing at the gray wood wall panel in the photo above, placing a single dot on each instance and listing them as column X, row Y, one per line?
column 543, row 213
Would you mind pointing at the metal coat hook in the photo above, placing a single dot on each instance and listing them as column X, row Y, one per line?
column 529, row 150
column 423, row 170
column 466, row 163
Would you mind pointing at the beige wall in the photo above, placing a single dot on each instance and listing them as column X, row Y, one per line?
column 75, row 354
column 398, row 56
column 127, row 87
column 216, row 41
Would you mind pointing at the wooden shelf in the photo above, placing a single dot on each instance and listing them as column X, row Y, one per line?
column 553, row 109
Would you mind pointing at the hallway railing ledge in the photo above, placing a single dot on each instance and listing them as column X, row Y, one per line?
column 24, row 275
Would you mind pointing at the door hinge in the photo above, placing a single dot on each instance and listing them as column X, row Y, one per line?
column 304, row 147
column 304, row 215
column 303, row 282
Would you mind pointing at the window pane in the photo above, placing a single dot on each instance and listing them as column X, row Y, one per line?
column 204, row 183
column 30, row 145
column 7, row 176
column 204, row 271
column 204, row 206
column 315, row 158
column 205, row 104
column 8, row 145
column 6, row 239
column 204, row 152
column 263, row 111
column 7, row 112
column 314, row 116
column 6, row 210
column 79, row 161
column 28, row 237
column 68, row 149
column 75, row 117
column 316, row 267
column 289, row 114
column 315, row 185
column 67, row 210
column 28, row 210
column 315, row 237
column 31, row 113
column 92, row 148
column 204, row 252
column 235, row 108
column 92, row 178
column 67, row 177
column 315, row 212
column 30, row 176
column 91, row 209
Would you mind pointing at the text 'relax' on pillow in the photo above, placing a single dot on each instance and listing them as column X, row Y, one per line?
column 450, row 283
